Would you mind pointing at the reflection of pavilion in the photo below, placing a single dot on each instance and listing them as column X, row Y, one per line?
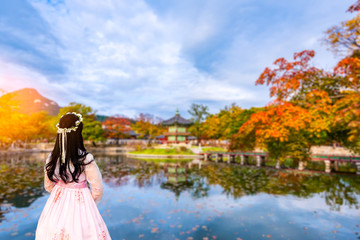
column 176, row 173
column 178, row 179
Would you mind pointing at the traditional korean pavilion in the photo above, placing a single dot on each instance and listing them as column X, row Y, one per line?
column 177, row 129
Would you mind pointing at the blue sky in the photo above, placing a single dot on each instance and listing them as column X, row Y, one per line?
column 154, row 56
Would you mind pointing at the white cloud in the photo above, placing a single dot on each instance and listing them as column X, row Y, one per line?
column 125, row 57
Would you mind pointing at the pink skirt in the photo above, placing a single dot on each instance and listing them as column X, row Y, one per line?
column 70, row 213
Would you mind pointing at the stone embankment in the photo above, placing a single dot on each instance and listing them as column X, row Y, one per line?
column 111, row 149
column 161, row 156
column 48, row 147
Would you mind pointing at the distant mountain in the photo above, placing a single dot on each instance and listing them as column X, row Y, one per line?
column 153, row 118
column 101, row 118
column 30, row 100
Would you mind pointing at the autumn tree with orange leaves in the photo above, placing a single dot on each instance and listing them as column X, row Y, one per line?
column 146, row 128
column 345, row 39
column 312, row 106
column 291, row 124
column 16, row 126
column 117, row 127
column 286, row 129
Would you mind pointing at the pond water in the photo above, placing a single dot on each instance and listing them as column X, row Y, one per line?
column 152, row 200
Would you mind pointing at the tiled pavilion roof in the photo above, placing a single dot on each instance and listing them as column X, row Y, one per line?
column 177, row 119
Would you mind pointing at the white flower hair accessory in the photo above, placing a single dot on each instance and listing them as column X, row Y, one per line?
column 77, row 123
column 63, row 132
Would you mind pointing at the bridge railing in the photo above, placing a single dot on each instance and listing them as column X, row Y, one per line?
column 261, row 158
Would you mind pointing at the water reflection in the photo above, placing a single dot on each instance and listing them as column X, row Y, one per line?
column 187, row 183
column 21, row 180
column 236, row 181
column 337, row 190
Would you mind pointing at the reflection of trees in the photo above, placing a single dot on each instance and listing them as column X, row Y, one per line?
column 21, row 181
column 119, row 171
column 337, row 190
column 177, row 187
column 200, row 188
column 115, row 169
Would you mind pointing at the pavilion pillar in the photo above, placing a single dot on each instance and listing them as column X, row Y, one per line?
column 278, row 166
column 258, row 161
column 216, row 157
column 229, row 158
column 242, row 159
column 301, row 165
column 358, row 168
column 327, row 166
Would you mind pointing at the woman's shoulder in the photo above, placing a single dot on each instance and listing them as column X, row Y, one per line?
column 89, row 157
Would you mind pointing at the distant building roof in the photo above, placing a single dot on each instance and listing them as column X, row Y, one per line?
column 177, row 119
column 191, row 138
column 131, row 133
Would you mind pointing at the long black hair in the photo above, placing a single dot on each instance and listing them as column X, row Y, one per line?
column 75, row 151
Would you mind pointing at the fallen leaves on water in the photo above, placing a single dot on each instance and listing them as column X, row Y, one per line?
column 155, row 230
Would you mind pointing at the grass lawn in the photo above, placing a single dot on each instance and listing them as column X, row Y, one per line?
column 161, row 151
column 166, row 160
column 213, row 149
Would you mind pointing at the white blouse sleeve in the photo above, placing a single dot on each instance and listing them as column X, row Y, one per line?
column 93, row 176
column 48, row 184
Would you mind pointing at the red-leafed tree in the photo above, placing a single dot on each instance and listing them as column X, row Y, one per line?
column 117, row 127
column 349, row 71
column 355, row 7
column 300, row 113
column 293, row 80
column 284, row 129
column 311, row 106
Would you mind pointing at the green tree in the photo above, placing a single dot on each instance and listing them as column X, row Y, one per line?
column 227, row 122
column 198, row 112
column 93, row 130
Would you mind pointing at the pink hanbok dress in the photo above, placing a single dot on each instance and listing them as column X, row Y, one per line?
column 71, row 213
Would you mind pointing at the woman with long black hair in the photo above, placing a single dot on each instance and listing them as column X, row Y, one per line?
column 71, row 211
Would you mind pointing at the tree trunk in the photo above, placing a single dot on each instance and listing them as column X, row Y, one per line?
column 197, row 137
